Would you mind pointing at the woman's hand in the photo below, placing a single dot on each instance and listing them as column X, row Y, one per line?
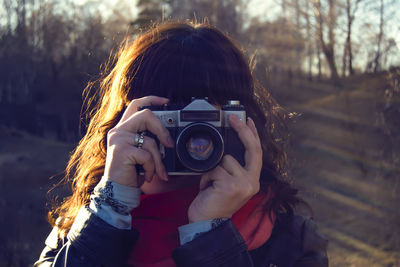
column 225, row 189
column 123, row 155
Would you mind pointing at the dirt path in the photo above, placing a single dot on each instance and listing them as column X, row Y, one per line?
column 339, row 164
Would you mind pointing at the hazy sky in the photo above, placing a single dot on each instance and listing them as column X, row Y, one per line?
column 269, row 9
column 255, row 7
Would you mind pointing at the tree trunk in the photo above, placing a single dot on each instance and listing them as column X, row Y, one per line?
column 327, row 48
column 309, row 43
column 378, row 50
column 330, row 58
column 348, row 46
column 350, row 54
column 344, row 59
column 319, row 58
column 297, row 67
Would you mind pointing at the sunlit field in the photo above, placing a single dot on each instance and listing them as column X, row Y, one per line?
column 346, row 162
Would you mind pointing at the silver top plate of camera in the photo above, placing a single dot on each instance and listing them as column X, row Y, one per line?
column 200, row 110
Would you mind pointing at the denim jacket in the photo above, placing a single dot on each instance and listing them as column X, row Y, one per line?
column 93, row 242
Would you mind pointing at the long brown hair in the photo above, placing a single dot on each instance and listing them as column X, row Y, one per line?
column 178, row 60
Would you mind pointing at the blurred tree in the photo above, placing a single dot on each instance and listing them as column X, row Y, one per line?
column 328, row 46
column 50, row 49
column 227, row 15
column 309, row 40
column 278, row 47
column 380, row 37
column 382, row 46
column 279, row 42
column 48, row 52
column 150, row 11
column 351, row 10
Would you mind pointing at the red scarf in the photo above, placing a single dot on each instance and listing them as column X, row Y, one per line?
column 159, row 216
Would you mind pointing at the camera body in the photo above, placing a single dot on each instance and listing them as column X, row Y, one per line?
column 202, row 135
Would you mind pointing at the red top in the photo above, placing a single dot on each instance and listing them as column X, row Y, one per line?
column 159, row 216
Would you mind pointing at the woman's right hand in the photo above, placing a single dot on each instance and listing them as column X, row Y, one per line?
column 123, row 155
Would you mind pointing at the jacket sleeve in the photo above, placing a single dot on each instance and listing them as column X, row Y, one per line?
column 297, row 244
column 221, row 246
column 313, row 244
column 90, row 242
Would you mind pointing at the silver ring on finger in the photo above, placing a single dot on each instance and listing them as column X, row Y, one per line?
column 139, row 139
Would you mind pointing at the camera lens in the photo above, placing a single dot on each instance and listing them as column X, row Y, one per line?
column 200, row 146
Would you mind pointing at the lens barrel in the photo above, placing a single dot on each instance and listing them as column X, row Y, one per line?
column 199, row 147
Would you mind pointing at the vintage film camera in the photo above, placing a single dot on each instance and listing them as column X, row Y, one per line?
column 202, row 135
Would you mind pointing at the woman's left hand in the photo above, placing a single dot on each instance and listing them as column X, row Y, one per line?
column 226, row 188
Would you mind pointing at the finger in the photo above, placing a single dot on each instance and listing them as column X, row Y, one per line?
column 150, row 145
column 253, row 154
column 216, row 175
column 135, row 104
column 252, row 127
column 205, row 181
column 231, row 165
column 145, row 120
column 144, row 158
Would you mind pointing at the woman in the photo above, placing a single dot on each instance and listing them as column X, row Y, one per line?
column 232, row 215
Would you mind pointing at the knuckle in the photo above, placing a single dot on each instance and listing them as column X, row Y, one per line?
column 112, row 136
column 245, row 188
column 111, row 132
column 216, row 171
column 226, row 159
column 132, row 106
column 133, row 101
column 248, row 190
column 147, row 113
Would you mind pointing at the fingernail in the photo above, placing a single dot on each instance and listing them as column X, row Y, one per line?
column 148, row 177
column 162, row 174
column 165, row 174
column 170, row 141
column 251, row 121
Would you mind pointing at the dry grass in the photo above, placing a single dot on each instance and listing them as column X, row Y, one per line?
column 26, row 164
column 341, row 165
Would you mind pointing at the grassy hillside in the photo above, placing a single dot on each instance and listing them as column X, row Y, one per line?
column 346, row 160
column 26, row 164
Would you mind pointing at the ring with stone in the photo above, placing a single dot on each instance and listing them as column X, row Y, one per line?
column 139, row 139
